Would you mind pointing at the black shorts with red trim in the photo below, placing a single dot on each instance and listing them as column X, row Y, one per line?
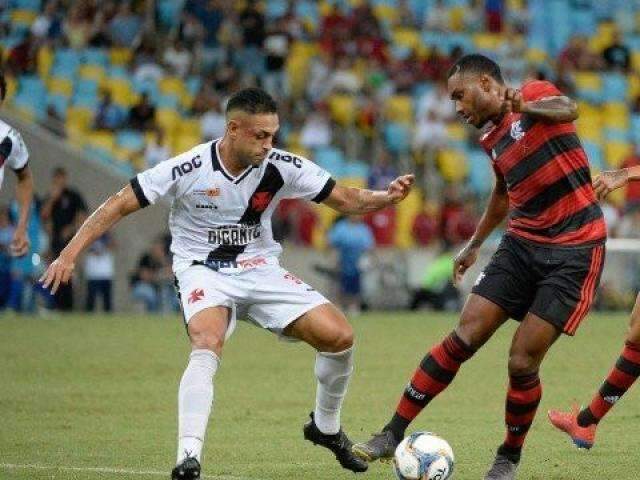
column 557, row 284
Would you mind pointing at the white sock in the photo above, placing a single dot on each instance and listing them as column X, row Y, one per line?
column 195, row 399
column 333, row 371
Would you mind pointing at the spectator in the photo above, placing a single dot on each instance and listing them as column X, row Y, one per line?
column 63, row 211
column 191, row 31
column 53, row 122
column 459, row 222
column 76, row 27
column 437, row 18
column 343, row 79
column 252, row 25
column 276, row 47
column 437, row 289
column 99, row 269
column 430, row 133
column 22, row 57
column 157, row 149
column 383, row 172
column 109, row 115
column 48, row 25
column 316, row 130
column 210, row 14
column 494, row 14
column 152, row 277
column 352, row 239
column 438, row 101
column 178, row 59
column 213, row 122
column 425, row 225
column 126, row 26
column 617, row 55
column 142, row 115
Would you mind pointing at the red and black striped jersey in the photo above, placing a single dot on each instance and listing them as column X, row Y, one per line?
column 546, row 170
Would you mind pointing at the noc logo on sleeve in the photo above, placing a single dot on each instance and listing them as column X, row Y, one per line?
column 186, row 167
column 296, row 161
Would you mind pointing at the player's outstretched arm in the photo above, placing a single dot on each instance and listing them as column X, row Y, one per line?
column 24, row 194
column 357, row 201
column 557, row 109
column 106, row 215
column 608, row 181
column 493, row 216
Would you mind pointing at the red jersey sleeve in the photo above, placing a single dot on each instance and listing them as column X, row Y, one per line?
column 538, row 89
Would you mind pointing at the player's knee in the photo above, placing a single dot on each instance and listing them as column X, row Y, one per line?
column 341, row 339
column 471, row 330
column 522, row 363
column 203, row 339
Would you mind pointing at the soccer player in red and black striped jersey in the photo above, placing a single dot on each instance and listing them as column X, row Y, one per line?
column 548, row 265
column 581, row 424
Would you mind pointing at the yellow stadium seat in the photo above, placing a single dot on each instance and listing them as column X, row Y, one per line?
column 12, row 87
column 487, row 41
column 171, row 86
column 399, row 108
column 616, row 115
column 453, row 165
column 456, row 131
column 167, row 119
column 588, row 81
column 92, row 72
column 121, row 92
column 616, row 153
column 354, row 182
column 183, row 143
column 120, row 56
column 635, row 61
column 79, row 118
column 591, row 131
column 23, row 17
column 26, row 112
column 75, row 136
column 514, row 5
column 102, row 139
column 190, row 126
column 384, row 12
column 634, row 86
column 456, row 18
column 44, row 61
column 124, row 155
column 406, row 37
column 60, row 86
column 411, row 206
column 535, row 55
column 324, row 8
column 342, row 108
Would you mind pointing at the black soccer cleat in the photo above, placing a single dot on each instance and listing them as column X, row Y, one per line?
column 381, row 446
column 338, row 443
column 189, row 469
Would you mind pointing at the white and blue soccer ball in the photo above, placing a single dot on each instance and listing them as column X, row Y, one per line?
column 423, row 456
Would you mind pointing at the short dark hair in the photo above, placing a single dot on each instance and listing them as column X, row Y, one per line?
column 253, row 101
column 476, row 63
column 3, row 85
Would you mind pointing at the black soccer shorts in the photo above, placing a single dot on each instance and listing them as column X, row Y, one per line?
column 555, row 283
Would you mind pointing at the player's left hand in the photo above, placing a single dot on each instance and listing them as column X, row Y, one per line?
column 20, row 243
column 400, row 188
column 512, row 101
column 608, row 181
column 59, row 271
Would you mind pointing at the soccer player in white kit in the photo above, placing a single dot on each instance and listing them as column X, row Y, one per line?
column 14, row 154
column 226, row 262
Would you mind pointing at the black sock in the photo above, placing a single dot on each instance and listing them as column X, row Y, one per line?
column 512, row 453
column 586, row 418
column 397, row 426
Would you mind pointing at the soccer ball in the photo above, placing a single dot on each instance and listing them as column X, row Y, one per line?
column 423, row 456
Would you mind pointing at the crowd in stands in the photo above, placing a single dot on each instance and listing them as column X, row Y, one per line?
column 360, row 85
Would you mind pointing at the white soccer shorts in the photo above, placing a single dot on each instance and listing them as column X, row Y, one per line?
column 266, row 295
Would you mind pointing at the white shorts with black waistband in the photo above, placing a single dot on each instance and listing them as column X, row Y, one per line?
column 259, row 290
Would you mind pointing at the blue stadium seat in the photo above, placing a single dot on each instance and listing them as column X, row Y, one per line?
column 193, row 84
column 614, row 87
column 86, row 100
column 167, row 101
column 480, row 172
column 275, row 8
column 594, row 153
column 96, row 56
column 397, row 137
column 583, row 21
column 169, row 12
column 355, row 170
column 33, row 5
column 308, row 9
column 118, row 71
column 616, row 135
column 67, row 58
column 635, row 128
column 86, row 86
column 32, row 85
column 59, row 103
column 130, row 139
column 331, row 159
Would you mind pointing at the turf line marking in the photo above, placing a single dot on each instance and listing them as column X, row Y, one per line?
column 152, row 473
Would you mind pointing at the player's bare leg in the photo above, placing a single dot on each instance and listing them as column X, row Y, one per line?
column 530, row 344
column 326, row 329
column 479, row 320
column 207, row 330
column 581, row 425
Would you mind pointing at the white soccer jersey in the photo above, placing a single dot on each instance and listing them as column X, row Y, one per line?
column 218, row 217
column 13, row 151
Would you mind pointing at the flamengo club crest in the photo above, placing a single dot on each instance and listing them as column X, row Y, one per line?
column 260, row 200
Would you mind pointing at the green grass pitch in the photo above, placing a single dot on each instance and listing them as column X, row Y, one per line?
column 94, row 397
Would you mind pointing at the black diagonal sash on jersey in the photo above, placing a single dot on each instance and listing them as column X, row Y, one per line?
column 258, row 202
column 5, row 149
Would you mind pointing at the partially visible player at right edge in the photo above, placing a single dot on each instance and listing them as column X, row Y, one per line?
column 581, row 425
column 547, row 266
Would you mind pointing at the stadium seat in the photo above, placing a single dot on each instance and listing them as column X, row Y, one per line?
column 588, row 81
column 101, row 139
column 79, row 118
column 406, row 37
column 131, row 140
column 331, row 159
column 397, row 137
column 356, row 170
column 452, row 165
column 411, row 206
column 616, row 152
column 481, row 175
column 167, row 119
column 23, row 17
column 33, row 5
column 342, row 109
column 120, row 56
column 121, row 92
column 399, row 108
column 594, row 154
column 172, row 86
column 59, row 103
column 614, row 87
column 487, row 41
column 60, row 86
column 92, row 72
column 44, row 61
column 616, row 115
column 190, row 126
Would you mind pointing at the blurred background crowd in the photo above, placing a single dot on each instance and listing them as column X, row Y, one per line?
column 361, row 90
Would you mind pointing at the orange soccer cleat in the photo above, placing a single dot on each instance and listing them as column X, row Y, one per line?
column 582, row 437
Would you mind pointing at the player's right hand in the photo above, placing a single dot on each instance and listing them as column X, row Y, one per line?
column 607, row 182
column 59, row 271
column 467, row 257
